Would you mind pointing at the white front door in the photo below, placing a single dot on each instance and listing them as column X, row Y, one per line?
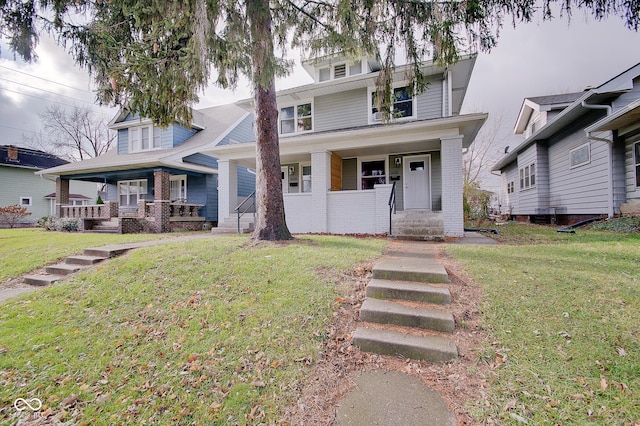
column 417, row 185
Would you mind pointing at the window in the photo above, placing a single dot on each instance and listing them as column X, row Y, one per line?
column 341, row 70
column 178, row 188
column 636, row 159
column 403, row 104
column 511, row 187
column 130, row 191
column 144, row 138
column 580, row 155
column 528, row 176
column 372, row 173
column 296, row 119
column 306, row 178
column 25, row 201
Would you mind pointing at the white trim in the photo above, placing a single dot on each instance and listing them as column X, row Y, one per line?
column 450, row 90
column 376, row 118
column 176, row 178
column 582, row 146
column 369, row 159
column 151, row 142
column 636, row 162
column 144, row 190
column 295, row 117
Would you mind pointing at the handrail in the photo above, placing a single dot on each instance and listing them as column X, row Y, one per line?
column 252, row 197
column 392, row 204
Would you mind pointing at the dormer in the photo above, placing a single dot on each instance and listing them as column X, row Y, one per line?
column 336, row 67
column 536, row 112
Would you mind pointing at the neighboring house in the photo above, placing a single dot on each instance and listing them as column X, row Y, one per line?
column 340, row 161
column 581, row 154
column 157, row 179
column 19, row 185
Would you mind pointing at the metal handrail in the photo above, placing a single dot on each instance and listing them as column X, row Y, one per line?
column 392, row 204
column 252, row 197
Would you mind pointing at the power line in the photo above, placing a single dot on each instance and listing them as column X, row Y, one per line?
column 52, row 101
column 45, row 90
column 42, row 78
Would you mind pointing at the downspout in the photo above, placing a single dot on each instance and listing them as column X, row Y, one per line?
column 609, row 143
column 450, row 92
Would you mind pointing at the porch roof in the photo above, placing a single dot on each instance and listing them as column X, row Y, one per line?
column 377, row 139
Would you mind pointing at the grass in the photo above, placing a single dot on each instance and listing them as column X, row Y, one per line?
column 23, row 250
column 562, row 312
column 213, row 331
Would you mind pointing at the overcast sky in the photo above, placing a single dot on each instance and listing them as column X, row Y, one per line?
column 534, row 59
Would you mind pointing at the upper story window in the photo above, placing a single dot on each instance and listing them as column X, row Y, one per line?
column 296, row 118
column 340, row 70
column 580, row 155
column 528, row 176
column 402, row 107
column 144, row 138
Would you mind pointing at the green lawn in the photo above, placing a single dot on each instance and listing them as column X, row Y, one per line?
column 563, row 315
column 212, row 331
column 23, row 250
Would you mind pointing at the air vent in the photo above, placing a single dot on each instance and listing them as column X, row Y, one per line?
column 340, row 71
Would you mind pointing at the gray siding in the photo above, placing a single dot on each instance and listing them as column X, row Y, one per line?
column 349, row 174
column 627, row 97
column 246, row 182
column 618, row 169
column 528, row 198
column 583, row 189
column 429, row 103
column 542, row 180
column 341, row 110
column 510, row 203
column 398, row 171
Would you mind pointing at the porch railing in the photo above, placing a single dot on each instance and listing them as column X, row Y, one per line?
column 245, row 206
column 101, row 211
column 184, row 209
column 392, row 205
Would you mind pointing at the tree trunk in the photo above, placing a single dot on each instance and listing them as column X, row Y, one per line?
column 270, row 221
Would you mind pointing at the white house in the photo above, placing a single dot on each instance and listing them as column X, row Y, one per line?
column 340, row 162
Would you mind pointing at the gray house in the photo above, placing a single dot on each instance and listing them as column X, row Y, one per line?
column 580, row 157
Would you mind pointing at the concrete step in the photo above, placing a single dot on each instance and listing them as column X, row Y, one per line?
column 407, row 268
column 84, row 260
column 386, row 312
column 417, row 292
column 387, row 342
column 62, row 269
column 42, row 279
column 105, row 252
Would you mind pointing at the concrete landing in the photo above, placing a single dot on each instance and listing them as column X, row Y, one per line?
column 412, row 403
column 409, row 268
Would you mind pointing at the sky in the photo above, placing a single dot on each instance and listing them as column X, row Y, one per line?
column 533, row 59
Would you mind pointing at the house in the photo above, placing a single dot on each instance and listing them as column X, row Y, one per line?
column 580, row 157
column 157, row 179
column 19, row 185
column 342, row 166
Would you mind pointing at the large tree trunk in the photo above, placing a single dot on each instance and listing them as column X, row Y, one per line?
column 270, row 222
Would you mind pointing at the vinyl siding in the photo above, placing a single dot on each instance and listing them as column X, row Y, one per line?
column 202, row 160
column 510, row 203
column 200, row 191
column 429, row 103
column 528, row 198
column 583, row 189
column 349, row 174
column 242, row 133
column 171, row 136
column 436, row 181
column 246, row 182
column 618, row 169
column 627, row 97
column 18, row 183
column 340, row 110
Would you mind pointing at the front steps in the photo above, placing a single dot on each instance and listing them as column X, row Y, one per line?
column 417, row 225
column 72, row 264
column 230, row 225
column 111, row 226
column 404, row 312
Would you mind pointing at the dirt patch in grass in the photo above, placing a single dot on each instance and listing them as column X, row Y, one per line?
column 462, row 383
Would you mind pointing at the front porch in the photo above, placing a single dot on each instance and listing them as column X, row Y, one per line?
column 161, row 214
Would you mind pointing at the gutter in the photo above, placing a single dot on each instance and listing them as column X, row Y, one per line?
column 591, row 106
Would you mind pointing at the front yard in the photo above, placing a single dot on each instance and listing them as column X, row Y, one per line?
column 562, row 317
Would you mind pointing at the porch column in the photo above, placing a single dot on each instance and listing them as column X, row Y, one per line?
column 320, row 187
column 227, row 188
column 161, row 199
column 62, row 194
column 452, row 210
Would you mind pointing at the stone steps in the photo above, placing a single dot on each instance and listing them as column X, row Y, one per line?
column 395, row 310
column 230, row 225
column 418, row 225
column 84, row 260
column 416, row 292
column 62, row 269
column 387, row 312
column 42, row 279
column 409, row 268
column 387, row 342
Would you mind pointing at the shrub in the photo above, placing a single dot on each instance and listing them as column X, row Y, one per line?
column 628, row 224
column 63, row 224
column 12, row 214
column 99, row 200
